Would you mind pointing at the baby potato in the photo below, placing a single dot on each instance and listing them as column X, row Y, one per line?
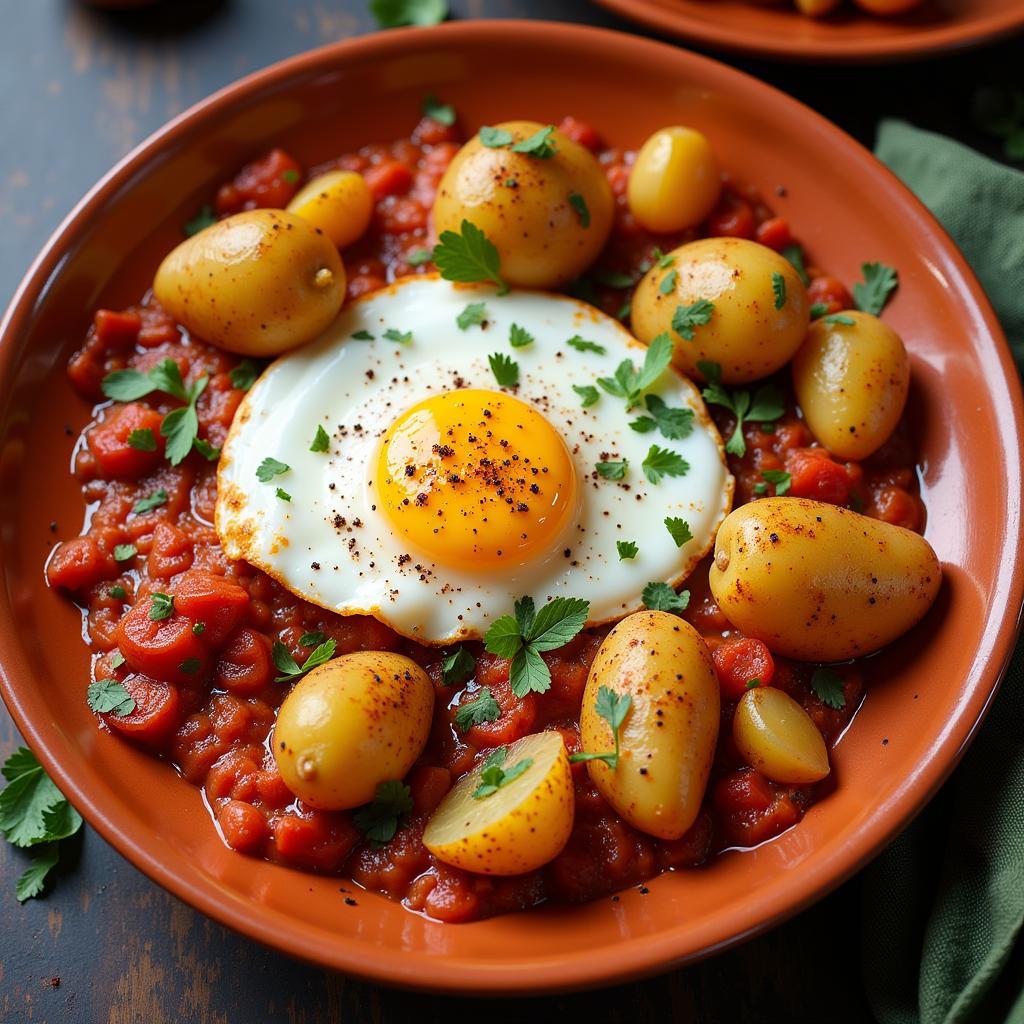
column 778, row 738
column 730, row 301
column 525, row 205
column 339, row 203
column 507, row 827
column 851, row 377
column 351, row 724
column 667, row 741
column 675, row 180
column 820, row 583
column 258, row 283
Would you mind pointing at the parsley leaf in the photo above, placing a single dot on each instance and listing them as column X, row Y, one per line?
column 379, row 820
column 587, row 393
column 398, row 337
column 874, row 291
column 415, row 258
column 612, row 470
column 203, row 219
column 161, row 606
column 661, row 462
column 795, row 254
column 579, row 204
column 244, row 375
column 283, row 494
column 442, row 113
column 781, row 479
column 457, row 666
column 118, row 593
column 472, row 316
column 839, row 318
column 493, row 777
column 362, row 336
column 155, row 500
column 519, row 337
column 660, row 597
column 395, row 13
column 312, row 639
column 539, row 144
column 32, row 809
column 614, row 278
column 675, row 424
column 180, row 427
column 679, row 530
column 269, row 468
column 142, row 440
column 289, row 667
column 494, row 138
column 108, row 696
column 505, row 369
column 686, row 318
column 818, row 309
column 468, row 255
column 828, row 687
column 582, row 345
column 321, row 440
column 613, row 708
column 32, row 880
column 123, row 552
column 668, row 282
column 768, row 404
column 779, row 289
column 129, row 385
column 626, row 549
column 628, row 383
column 480, row 711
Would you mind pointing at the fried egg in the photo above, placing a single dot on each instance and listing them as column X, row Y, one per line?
column 384, row 469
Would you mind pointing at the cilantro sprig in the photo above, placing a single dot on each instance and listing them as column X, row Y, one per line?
column 660, row 597
column 613, row 708
column 673, row 423
column 661, row 462
column 627, row 549
column 630, row 383
column 468, row 255
column 526, row 634
column 457, row 666
column 109, row 697
column 379, row 820
column 766, row 405
column 479, row 711
column 442, row 113
column 686, row 318
column 872, row 294
column 495, row 777
column 828, row 687
column 290, row 669
column 474, row 315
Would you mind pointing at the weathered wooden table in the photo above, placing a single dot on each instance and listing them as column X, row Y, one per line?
column 80, row 88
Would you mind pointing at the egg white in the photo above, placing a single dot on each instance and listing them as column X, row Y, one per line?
column 333, row 545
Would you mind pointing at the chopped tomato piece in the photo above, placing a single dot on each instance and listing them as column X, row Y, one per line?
column 269, row 182
column 245, row 665
column 157, row 713
column 322, row 840
column 517, row 713
column 740, row 662
column 171, row 552
column 831, row 292
column 733, row 217
column 212, row 600
column 581, row 132
column 244, row 828
column 116, row 458
column 79, row 563
column 897, row 506
column 165, row 649
column 117, row 330
column 775, row 233
column 388, row 178
column 746, row 790
column 815, row 475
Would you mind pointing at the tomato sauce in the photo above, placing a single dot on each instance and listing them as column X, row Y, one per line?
column 203, row 679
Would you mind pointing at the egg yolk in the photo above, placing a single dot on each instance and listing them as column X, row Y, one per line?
column 476, row 479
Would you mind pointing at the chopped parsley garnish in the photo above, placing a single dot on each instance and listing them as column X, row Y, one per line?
column 582, row 345
column 362, row 336
column 579, row 204
column 155, row 500
column 480, row 711
column 391, row 805
column 524, row 636
column 442, row 113
column 473, row 315
column 116, row 659
column 283, row 494
column 874, row 291
column 244, row 375
column 161, row 606
column 795, row 254
column 314, row 639
column 117, row 592
column 398, row 337
column 457, row 666
column 289, row 667
column 505, row 369
column 767, row 404
column 198, row 628
column 142, row 440
column 628, row 382
column 588, row 394
column 123, row 552
column 818, row 309
column 779, row 289
column 203, row 219
column 678, row 530
column 190, row 666
column 519, row 337
column 624, row 311
column 613, row 708
column 661, row 462
column 396, row 13
column 539, row 144
column 290, row 175
column 34, row 813
column 780, row 478
column 660, row 597
column 269, row 468
column 494, row 777
column 664, row 260
column 626, row 549
column 668, row 282
column 495, row 138
column 686, row 318
column 828, row 687
column 675, row 424
column 206, row 449
column 612, row 470
column 613, row 278
column 415, row 258
column 468, row 255
column 321, row 440
column 109, row 697
column 839, row 318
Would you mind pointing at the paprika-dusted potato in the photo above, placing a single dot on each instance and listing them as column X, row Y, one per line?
column 511, row 814
column 339, row 203
column 549, row 216
column 851, row 377
column 258, row 283
column 724, row 300
column 818, row 582
column 778, row 738
column 667, row 740
column 675, row 181
column 351, row 724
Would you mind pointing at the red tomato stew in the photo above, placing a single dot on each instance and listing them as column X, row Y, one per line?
column 194, row 653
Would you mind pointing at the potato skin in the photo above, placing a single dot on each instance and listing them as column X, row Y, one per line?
column 667, row 742
column 539, row 235
column 778, row 738
column 339, row 203
column 820, row 583
column 746, row 335
column 851, row 381
column 349, row 725
column 257, row 283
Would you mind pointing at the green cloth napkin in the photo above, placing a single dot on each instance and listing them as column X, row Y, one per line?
column 944, row 905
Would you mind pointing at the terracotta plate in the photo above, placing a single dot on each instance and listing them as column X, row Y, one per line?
column 780, row 30
column 928, row 694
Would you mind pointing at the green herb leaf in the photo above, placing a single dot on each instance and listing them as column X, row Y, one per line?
column 480, row 711
column 626, row 549
column 398, row 337
column 123, row 552
column 396, row 13
column 873, row 293
column 289, row 667
column 519, row 337
column 668, row 282
column 613, row 278
column 312, row 639
column 362, row 336
column 494, row 777
column 839, row 318
column 582, row 345
column 468, row 256
column 118, row 593
column 129, row 385
column 660, row 597
column 781, row 479
column 415, row 258
column 779, row 289
column 203, row 219
column 244, row 375
column 442, row 113
column 686, row 318
column 161, row 606
column 198, row 628
column 579, row 204
column 540, row 144
column 674, row 424
column 142, row 440
column 795, row 254
column 495, row 138
column 472, row 316
column 32, row 809
column 828, row 687
column 108, row 696
column 818, row 309
column 180, row 427
column 529, row 673
column 505, row 369
column 612, row 470
column 557, row 623
column 321, row 440
column 629, row 383
column 613, row 708
column 504, row 638
column 283, row 494
column 661, row 462
column 33, row 879
column 269, row 468
column 206, row 449
column 679, row 530
column 587, row 393
column 457, row 666
column 154, row 500
column 379, row 820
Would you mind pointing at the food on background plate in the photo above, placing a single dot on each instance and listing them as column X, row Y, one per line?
column 885, row 8
column 406, row 603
